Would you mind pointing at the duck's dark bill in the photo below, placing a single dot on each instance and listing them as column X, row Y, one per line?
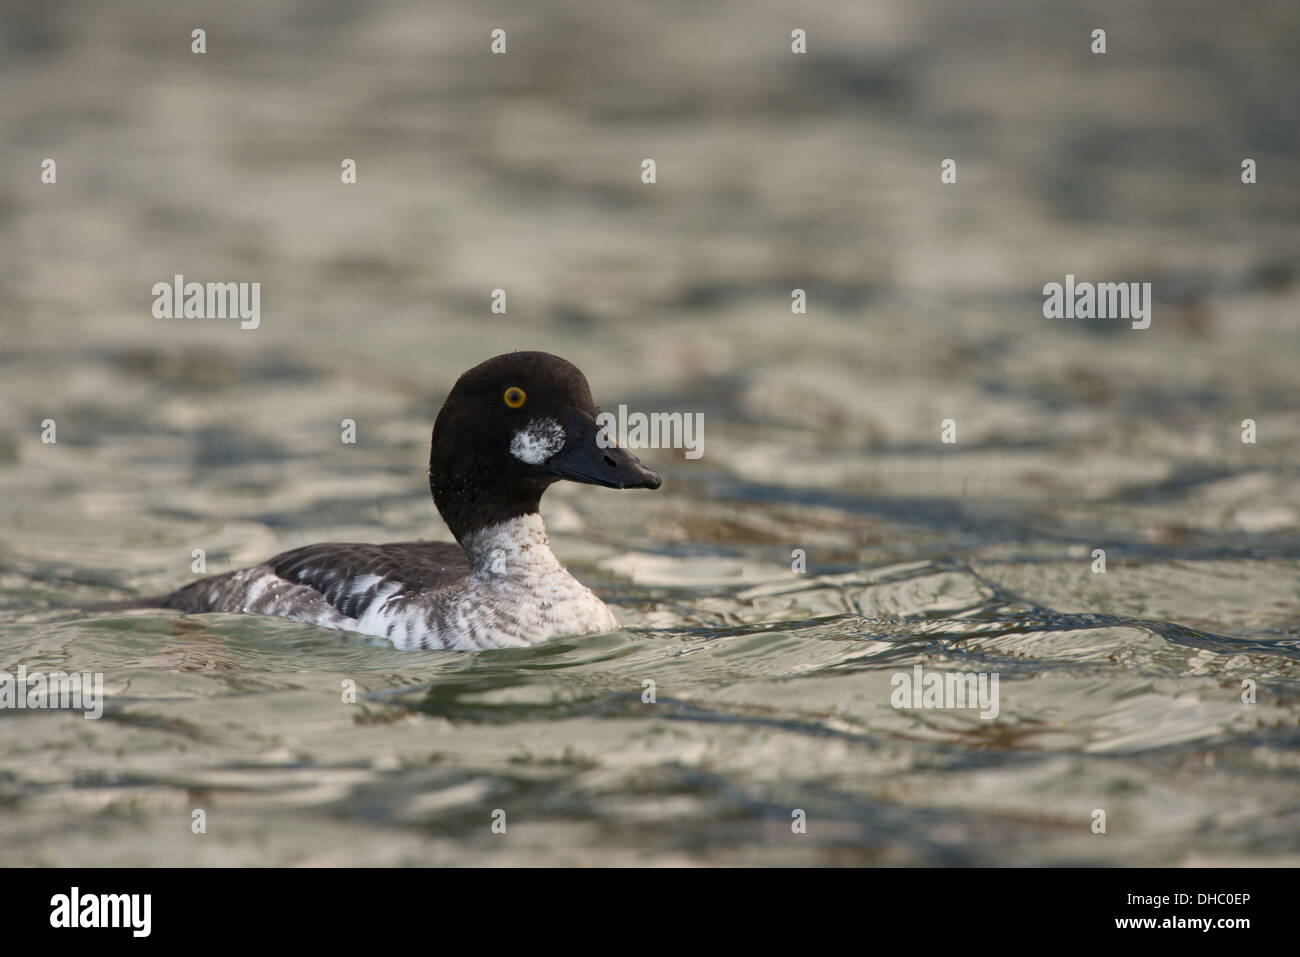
column 583, row 460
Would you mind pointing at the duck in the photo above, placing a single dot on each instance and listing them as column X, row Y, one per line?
column 510, row 428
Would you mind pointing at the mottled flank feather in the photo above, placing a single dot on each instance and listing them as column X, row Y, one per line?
column 505, row 589
column 350, row 577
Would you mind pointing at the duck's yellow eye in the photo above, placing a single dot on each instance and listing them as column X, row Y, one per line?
column 514, row 397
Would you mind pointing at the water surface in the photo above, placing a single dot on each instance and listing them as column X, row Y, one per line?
column 1119, row 691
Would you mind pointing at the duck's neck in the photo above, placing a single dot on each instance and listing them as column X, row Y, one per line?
column 517, row 547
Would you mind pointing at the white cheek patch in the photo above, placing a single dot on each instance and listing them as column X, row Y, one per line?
column 538, row 442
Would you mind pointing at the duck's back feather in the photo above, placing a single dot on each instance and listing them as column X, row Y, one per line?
column 327, row 580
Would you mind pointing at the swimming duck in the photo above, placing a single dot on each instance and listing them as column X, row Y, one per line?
column 510, row 428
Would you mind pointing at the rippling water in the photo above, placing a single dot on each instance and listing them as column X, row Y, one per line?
column 1119, row 691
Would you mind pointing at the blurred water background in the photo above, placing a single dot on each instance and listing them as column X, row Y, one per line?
column 1119, row 691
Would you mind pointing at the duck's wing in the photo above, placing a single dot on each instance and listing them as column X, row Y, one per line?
column 330, row 584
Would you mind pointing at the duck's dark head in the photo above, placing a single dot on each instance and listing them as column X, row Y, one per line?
column 510, row 427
